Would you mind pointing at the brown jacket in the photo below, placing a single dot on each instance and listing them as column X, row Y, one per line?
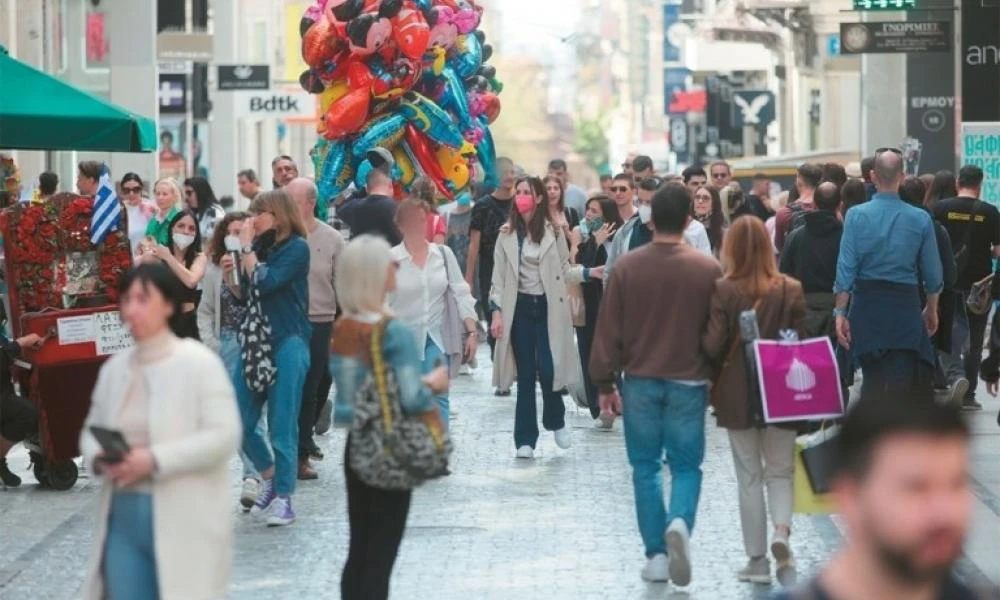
column 783, row 307
column 652, row 316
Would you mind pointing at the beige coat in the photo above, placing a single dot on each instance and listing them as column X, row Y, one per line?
column 194, row 429
column 556, row 272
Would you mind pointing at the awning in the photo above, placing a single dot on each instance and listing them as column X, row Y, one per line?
column 40, row 112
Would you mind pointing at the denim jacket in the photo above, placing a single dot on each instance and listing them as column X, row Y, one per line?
column 283, row 283
column 350, row 364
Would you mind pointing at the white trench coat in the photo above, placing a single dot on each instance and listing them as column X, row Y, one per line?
column 556, row 273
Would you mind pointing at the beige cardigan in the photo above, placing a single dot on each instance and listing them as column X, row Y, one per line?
column 556, row 271
column 194, row 429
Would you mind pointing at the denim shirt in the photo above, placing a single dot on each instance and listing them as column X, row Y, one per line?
column 888, row 240
column 283, row 283
column 399, row 349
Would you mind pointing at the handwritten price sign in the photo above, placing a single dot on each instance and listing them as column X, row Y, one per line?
column 111, row 334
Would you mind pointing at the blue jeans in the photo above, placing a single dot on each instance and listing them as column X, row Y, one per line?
column 229, row 351
column 431, row 355
column 129, row 567
column 284, row 398
column 529, row 338
column 663, row 416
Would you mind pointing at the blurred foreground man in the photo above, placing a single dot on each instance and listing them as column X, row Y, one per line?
column 903, row 490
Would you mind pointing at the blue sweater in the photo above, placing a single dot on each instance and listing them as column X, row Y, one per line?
column 283, row 282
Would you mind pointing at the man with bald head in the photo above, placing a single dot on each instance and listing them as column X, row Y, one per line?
column 325, row 245
column 888, row 250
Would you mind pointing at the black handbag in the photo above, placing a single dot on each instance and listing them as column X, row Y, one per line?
column 820, row 462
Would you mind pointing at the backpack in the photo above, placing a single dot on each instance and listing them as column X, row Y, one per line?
column 390, row 450
column 798, row 218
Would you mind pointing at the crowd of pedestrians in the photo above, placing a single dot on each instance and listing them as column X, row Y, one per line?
column 631, row 299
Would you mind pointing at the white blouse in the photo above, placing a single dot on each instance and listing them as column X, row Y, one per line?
column 419, row 299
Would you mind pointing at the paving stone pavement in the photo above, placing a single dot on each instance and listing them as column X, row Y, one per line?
column 560, row 526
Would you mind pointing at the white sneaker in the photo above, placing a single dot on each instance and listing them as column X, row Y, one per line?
column 678, row 552
column 782, row 553
column 281, row 513
column 657, row 569
column 249, row 492
column 526, row 452
column 464, row 370
column 564, row 439
column 758, row 570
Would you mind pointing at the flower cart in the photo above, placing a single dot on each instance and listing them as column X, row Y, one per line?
column 64, row 288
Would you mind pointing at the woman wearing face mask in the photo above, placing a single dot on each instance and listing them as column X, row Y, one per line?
column 564, row 219
column 200, row 199
column 187, row 263
column 164, row 526
column 275, row 259
column 707, row 209
column 167, row 197
column 139, row 211
column 427, row 275
column 366, row 275
column 531, row 321
column 591, row 242
column 221, row 311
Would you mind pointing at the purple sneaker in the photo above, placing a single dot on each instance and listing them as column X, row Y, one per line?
column 281, row 512
column 265, row 498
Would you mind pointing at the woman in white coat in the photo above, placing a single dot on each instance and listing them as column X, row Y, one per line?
column 531, row 319
column 164, row 526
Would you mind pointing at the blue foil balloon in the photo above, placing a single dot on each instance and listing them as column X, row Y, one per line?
column 468, row 56
column 361, row 179
column 431, row 119
column 454, row 99
column 334, row 175
column 385, row 132
column 487, row 154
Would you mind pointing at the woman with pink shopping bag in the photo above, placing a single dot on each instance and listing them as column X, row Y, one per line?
column 763, row 455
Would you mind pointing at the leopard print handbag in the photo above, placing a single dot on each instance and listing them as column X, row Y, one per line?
column 389, row 450
column 256, row 350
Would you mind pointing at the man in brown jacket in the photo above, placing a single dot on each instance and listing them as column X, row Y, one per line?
column 652, row 316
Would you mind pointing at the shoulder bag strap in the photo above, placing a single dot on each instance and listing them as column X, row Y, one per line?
column 447, row 268
column 735, row 345
column 378, row 369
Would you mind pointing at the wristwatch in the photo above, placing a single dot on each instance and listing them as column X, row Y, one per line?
column 247, row 250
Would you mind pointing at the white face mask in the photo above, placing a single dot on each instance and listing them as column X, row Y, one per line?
column 182, row 241
column 645, row 213
column 233, row 243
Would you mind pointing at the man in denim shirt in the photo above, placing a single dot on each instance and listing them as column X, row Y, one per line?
column 887, row 247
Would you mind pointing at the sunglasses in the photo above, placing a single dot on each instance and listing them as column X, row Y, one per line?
column 131, row 190
column 893, row 150
column 619, row 189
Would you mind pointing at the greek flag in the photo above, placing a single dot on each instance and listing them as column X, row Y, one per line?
column 107, row 209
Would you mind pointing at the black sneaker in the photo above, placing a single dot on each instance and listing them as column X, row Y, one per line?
column 315, row 453
column 970, row 405
column 6, row 476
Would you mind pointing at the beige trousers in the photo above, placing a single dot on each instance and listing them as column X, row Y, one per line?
column 763, row 457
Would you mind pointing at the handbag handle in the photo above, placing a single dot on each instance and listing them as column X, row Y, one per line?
column 378, row 369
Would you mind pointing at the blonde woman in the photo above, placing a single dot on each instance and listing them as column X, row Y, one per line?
column 366, row 275
column 275, row 259
column 763, row 455
column 164, row 526
column 167, row 197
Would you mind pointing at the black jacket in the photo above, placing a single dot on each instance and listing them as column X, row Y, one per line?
column 811, row 251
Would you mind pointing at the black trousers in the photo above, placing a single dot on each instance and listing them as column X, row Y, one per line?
column 319, row 359
column 377, row 520
column 485, row 282
column 584, row 343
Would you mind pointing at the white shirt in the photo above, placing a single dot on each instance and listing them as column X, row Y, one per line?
column 696, row 236
column 138, row 219
column 419, row 299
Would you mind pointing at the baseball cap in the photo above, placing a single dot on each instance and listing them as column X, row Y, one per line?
column 380, row 158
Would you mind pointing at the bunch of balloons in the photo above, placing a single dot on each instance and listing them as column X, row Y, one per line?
column 406, row 75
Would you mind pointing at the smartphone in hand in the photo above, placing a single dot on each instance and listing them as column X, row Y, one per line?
column 112, row 442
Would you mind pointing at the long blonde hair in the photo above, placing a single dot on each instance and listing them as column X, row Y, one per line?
column 748, row 257
column 287, row 218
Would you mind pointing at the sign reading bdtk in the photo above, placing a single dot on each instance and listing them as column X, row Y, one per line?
column 897, row 36
column 244, row 77
column 268, row 105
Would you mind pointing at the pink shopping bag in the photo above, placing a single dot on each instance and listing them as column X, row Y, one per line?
column 799, row 381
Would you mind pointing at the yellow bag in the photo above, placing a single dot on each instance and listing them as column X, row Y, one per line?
column 806, row 501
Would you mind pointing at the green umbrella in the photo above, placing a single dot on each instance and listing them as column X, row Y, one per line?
column 40, row 112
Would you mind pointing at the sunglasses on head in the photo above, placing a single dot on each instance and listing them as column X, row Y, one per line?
column 619, row 189
column 893, row 150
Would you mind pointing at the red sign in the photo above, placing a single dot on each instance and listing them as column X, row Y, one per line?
column 689, row 102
